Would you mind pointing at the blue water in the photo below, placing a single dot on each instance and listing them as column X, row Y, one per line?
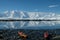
column 30, row 25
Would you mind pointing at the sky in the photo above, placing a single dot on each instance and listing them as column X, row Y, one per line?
column 31, row 5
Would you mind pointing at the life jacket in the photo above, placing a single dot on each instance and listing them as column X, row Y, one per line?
column 45, row 34
column 22, row 34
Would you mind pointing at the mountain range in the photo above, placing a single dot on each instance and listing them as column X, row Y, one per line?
column 29, row 24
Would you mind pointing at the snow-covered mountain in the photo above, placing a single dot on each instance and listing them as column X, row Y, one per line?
column 29, row 15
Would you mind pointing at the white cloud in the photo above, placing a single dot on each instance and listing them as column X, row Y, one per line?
column 51, row 6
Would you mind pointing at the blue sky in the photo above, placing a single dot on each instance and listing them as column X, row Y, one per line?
column 31, row 5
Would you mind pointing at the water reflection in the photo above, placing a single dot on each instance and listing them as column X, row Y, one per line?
column 25, row 24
